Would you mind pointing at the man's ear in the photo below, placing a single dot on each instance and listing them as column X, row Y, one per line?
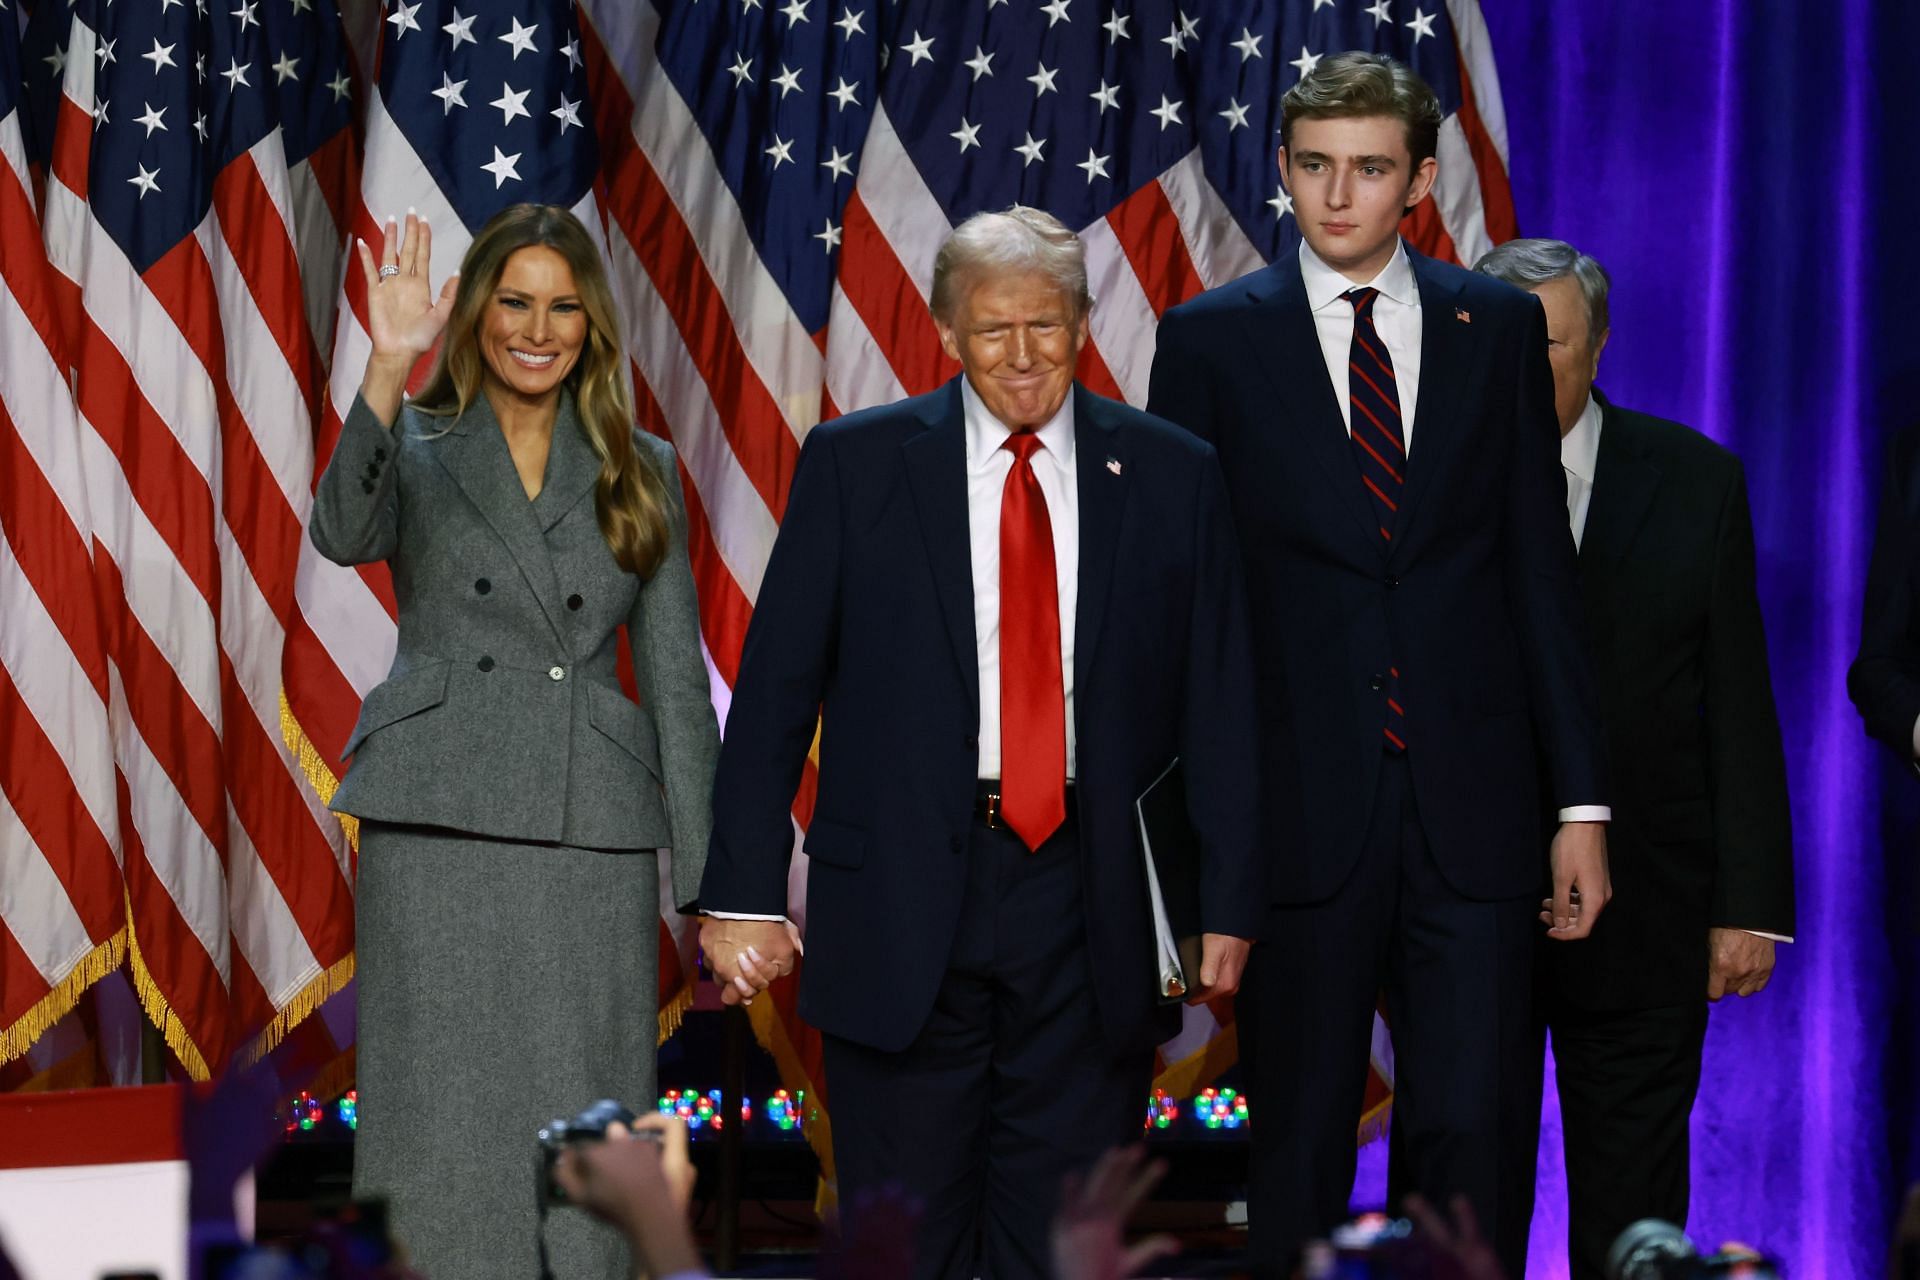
column 1598, row 347
column 1283, row 171
column 1424, row 174
column 949, row 342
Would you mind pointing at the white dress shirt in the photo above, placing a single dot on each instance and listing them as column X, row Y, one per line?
column 1396, row 317
column 1580, row 458
column 988, row 464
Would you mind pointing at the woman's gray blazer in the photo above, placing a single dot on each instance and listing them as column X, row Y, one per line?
column 502, row 714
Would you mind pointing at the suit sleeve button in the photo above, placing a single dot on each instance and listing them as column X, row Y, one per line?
column 574, row 601
column 1376, row 682
column 482, row 586
column 485, row 663
column 379, row 453
column 366, row 486
column 556, row 673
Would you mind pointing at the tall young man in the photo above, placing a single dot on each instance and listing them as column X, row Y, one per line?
column 1386, row 425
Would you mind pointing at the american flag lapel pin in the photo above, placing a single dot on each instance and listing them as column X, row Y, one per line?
column 1113, row 465
column 1462, row 315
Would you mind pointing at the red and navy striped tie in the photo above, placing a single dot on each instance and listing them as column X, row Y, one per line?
column 1380, row 448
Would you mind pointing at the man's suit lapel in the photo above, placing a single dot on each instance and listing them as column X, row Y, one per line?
column 1624, row 482
column 1445, row 363
column 474, row 452
column 1102, row 478
column 936, row 462
column 1286, row 347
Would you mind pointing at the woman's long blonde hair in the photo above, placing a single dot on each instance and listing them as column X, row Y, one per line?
column 631, row 498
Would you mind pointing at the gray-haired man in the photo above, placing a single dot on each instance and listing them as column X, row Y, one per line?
column 1702, row 843
column 1009, row 605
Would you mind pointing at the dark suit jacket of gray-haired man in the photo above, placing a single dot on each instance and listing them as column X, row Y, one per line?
column 1702, row 848
column 990, row 1006
column 511, row 802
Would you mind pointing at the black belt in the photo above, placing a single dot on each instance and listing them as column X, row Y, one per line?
column 986, row 802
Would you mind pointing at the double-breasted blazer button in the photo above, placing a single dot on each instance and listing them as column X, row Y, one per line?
column 486, row 662
column 482, row 586
column 574, row 601
column 556, row 673
column 379, row 453
column 1377, row 682
column 972, row 743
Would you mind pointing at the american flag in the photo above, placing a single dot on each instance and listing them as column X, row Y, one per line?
column 191, row 160
column 772, row 178
column 62, row 912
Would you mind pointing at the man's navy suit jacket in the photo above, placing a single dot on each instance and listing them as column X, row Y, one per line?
column 1475, row 599
column 865, row 620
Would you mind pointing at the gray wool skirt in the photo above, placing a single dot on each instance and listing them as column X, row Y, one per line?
column 500, row 985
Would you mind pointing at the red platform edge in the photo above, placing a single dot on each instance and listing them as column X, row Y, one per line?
column 90, row 1126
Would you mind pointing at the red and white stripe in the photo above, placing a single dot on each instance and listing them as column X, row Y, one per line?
column 62, row 903
column 194, row 382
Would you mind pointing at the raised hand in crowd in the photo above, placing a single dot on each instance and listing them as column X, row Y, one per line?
column 642, row 1189
column 1454, row 1250
column 1089, row 1232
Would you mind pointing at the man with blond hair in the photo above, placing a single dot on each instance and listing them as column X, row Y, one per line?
column 1009, row 605
column 1385, row 423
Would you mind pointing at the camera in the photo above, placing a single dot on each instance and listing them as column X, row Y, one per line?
column 589, row 1126
column 1654, row 1250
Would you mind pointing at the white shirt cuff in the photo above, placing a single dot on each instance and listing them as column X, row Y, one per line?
column 743, row 915
column 1772, row 937
column 1916, row 722
column 1586, row 813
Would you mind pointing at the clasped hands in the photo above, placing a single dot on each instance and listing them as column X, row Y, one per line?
column 747, row 955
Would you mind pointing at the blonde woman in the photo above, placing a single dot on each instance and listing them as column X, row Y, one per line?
column 511, row 798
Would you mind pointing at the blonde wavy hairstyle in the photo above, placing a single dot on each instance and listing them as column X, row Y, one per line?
column 630, row 498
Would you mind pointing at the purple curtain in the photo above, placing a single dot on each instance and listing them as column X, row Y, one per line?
column 1739, row 167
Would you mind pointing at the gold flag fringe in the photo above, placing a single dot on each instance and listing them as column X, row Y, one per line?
column 105, row 957
column 159, row 1012
column 304, row 1002
column 336, row 1077
column 772, row 1036
column 1374, row 1123
column 314, row 766
column 674, row 1012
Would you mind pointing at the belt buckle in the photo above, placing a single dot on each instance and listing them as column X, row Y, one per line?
column 992, row 810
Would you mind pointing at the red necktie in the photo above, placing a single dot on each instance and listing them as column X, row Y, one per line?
column 1033, row 703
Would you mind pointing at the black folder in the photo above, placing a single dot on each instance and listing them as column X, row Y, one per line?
column 1171, row 848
